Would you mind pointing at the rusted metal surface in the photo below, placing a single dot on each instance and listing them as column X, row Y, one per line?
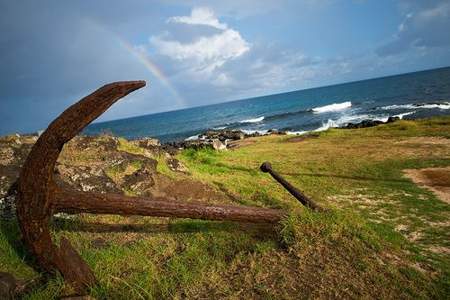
column 99, row 203
column 38, row 197
column 266, row 167
column 36, row 183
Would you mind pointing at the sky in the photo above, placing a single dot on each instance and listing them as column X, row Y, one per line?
column 191, row 53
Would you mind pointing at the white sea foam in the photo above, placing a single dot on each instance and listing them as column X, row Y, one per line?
column 220, row 128
column 247, row 131
column 344, row 120
column 380, row 118
column 325, row 126
column 255, row 120
column 332, row 107
column 443, row 105
column 405, row 114
column 192, row 138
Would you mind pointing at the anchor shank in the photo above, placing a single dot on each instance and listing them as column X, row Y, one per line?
column 98, row 203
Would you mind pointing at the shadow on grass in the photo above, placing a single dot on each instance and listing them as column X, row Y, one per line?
column 228, row 193
column 188, row 226
column 10, row 230
column 235, row 168
column 9, row 226
column 348, row 177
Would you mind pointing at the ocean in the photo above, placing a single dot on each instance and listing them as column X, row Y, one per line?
column 409, row 96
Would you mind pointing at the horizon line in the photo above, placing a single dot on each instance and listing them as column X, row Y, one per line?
column 269, row 95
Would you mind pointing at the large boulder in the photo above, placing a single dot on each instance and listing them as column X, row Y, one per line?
column 85, row 178
column 176, row 165
column 148, row 143
column 140, row 182
column 218, row 145
column 370, row 123
column 223, row 135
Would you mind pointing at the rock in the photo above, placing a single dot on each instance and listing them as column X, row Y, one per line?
column 176, row 165
column 211, row 139
column 7, row 203
column 86, row 179
column 218, row 145
column 276, row 131
column 103, row 143
column 140, row 182
column 6, row 156
column 369, row 123
column 392, row 119
column 8, row 285
column 171, row 148
column 363, row 124
column 8, row 207
column 174, row 147
column 148, row 143
column 223, row 135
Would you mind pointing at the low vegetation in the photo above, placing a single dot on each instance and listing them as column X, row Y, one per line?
column 384, row 237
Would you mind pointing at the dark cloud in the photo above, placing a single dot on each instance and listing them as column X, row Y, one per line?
column 53, row 54
column 423, row 27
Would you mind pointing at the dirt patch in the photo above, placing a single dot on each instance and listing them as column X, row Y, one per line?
column 436, row 180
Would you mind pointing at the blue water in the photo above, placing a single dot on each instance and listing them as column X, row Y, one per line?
column 413, row 95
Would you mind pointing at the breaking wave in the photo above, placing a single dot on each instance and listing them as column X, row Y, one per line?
column 332, row 107
column 192, row 138
column 345, row 120
column 247, row 131
column 255, row 120
column 441, row 105
column 405, row 114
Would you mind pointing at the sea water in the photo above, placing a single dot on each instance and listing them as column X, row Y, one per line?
column 410, row 96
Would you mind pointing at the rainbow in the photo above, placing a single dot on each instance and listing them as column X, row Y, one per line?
column 153, row 68
column 144, row 60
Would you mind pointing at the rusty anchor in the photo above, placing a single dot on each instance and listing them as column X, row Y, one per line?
column 39, row 197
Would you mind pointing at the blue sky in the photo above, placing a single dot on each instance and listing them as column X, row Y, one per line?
column 193, row 53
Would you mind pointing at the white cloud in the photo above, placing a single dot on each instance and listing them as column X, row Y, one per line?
column 216, row 49
column 206, row 53
column 200, row 16
column 222, row 79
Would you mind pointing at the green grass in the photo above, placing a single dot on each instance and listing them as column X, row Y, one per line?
column 362, row 248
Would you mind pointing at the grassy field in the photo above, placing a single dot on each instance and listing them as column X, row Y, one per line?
column 384, row 236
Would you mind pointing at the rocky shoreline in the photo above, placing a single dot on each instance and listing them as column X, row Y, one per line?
column 215, row 139
column 369, row 123
column 222, row 139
